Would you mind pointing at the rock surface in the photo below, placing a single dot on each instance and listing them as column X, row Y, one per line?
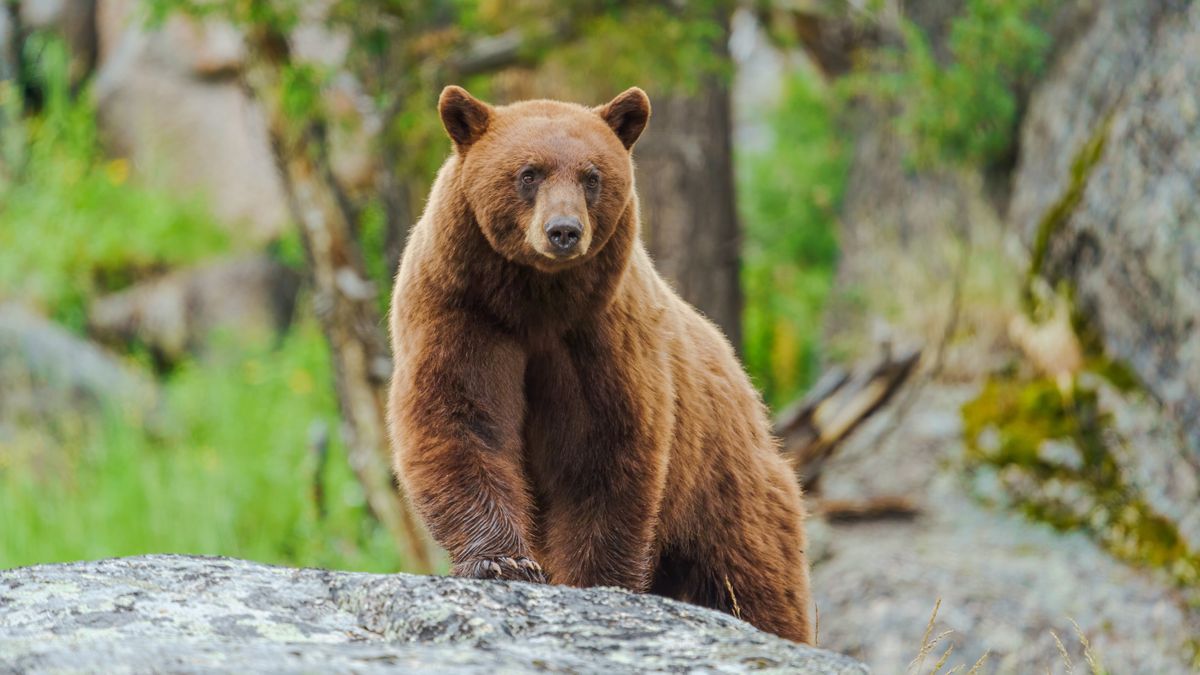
column 1005, row 583
column 168, row 101
column 252, row 296
column 1130, row 246
column 190, row 614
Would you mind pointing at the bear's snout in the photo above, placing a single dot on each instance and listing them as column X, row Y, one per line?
column 564, row 233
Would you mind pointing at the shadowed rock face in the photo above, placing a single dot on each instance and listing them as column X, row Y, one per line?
column 188, row 614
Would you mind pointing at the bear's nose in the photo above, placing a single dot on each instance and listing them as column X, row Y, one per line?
column 564, row 233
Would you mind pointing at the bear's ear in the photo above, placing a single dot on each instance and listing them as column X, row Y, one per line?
column 627, row 115
column 464, row 116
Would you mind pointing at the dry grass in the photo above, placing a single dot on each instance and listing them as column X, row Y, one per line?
column 929, row 642
column 1062, row 650
column 979, row 664
column 737, row 609
column 1092, row 660
column 816, row 625
column 927, row 645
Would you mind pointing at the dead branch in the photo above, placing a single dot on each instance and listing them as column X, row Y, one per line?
column 813, row 428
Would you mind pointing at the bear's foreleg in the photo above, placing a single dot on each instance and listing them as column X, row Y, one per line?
column 606, row 537
column 457, row 410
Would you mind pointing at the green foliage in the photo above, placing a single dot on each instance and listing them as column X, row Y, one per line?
column 230, row 472
column 789, row 197
column 70, row 224
column 1051, row 450
column 300, row 89
column 656, row 47
column 964, row 112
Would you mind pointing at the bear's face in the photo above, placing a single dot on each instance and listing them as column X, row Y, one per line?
column 546, row 181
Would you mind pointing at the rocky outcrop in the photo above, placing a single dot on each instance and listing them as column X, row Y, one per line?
column 1107, row 198
column 189, row 614
column 1007, row 586
column 1119, row 228
column 1128, row 244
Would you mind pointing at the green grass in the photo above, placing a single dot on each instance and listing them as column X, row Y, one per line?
column 233, row 475
column 224, row 465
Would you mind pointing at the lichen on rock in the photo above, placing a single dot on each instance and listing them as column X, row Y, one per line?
column 190, row 614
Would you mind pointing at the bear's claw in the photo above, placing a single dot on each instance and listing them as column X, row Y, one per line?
column 504, row 567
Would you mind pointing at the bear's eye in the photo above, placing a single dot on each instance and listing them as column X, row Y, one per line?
column 592, row 182
column 528, row 177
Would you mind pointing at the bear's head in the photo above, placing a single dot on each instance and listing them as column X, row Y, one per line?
column 547, row 182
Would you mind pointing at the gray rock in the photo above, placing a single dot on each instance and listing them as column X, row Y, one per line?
column 168, row 101
column 171, row 100
column 1130, row 248
column 252, row 296
column 192, row 614
column 46, row 372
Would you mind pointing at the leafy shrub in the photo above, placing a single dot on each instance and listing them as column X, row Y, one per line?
column 71, row 224
column 964, row 112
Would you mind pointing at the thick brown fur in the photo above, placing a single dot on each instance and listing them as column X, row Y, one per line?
column 569, row 417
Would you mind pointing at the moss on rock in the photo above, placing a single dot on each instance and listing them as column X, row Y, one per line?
column 1052, row 452
column 1082, row 167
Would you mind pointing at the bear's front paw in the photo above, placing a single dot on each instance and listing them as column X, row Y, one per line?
column 503, row 567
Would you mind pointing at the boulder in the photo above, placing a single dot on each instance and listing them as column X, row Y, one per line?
column 168, row 99
column 1106, row 197
column 48, row 373
column 192, row 614
column 171, row 99
column 252, row 296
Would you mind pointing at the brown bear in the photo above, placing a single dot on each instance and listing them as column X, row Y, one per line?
column 557, row 411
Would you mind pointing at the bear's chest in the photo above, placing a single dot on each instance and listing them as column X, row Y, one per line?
column 558, row 413
column 580, row 414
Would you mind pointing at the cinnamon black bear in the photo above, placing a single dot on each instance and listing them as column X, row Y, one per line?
column 557, row 411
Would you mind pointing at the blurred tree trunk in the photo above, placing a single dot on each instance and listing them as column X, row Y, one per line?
column 343, row 297
column 685, row 183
